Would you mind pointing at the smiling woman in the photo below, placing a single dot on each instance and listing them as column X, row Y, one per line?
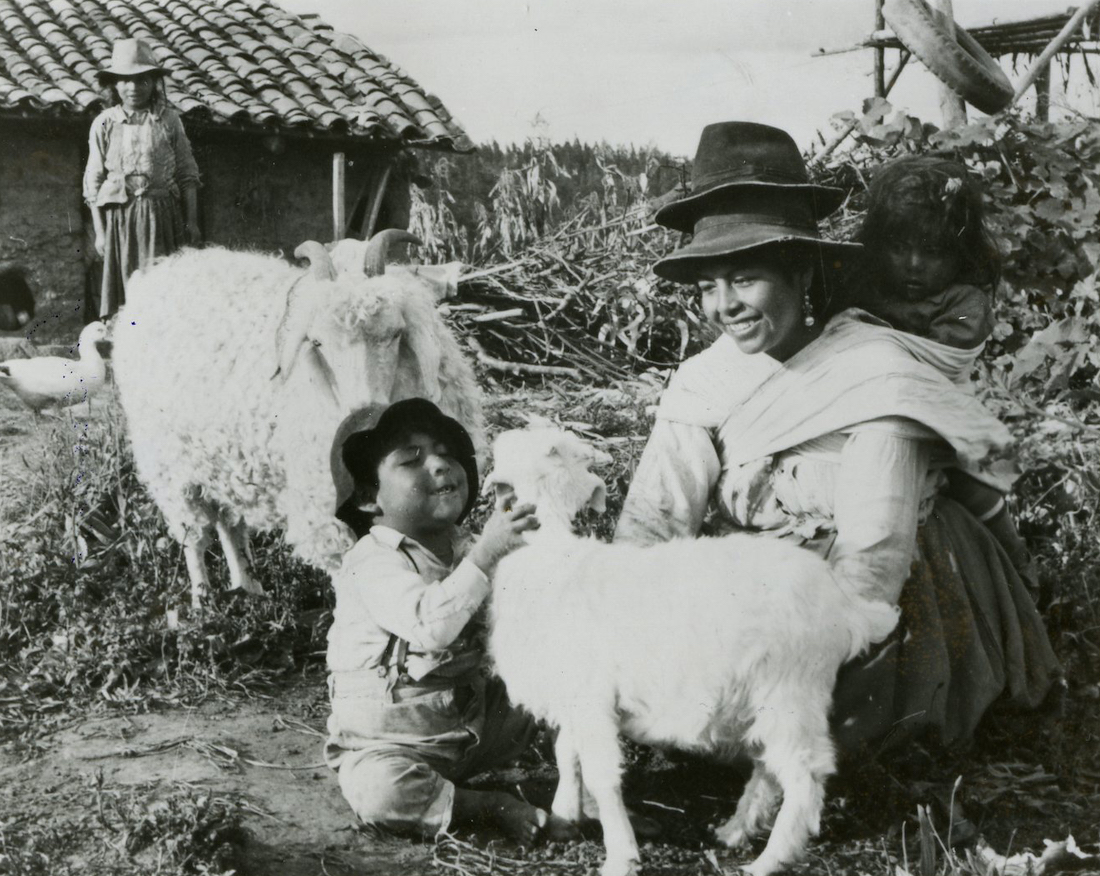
column 835, row 434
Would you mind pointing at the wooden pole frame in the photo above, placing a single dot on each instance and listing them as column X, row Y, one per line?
column 339, row 195
column 880, row 53
column 1043, row 61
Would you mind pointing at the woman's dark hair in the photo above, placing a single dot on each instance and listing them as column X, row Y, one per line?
column 940, row 202
column 158, row 99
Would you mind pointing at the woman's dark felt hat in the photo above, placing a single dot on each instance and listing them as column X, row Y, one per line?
column 751, row 189
column 364, row 438
column 736, row 156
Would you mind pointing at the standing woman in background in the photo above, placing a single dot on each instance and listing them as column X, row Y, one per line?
column 141, row 180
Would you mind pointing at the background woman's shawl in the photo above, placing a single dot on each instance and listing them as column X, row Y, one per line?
column 854, row 372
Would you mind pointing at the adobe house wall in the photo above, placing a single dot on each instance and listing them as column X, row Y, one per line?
column 260, row 193
column 42, row 222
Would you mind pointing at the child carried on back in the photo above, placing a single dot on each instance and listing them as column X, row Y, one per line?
column 930, row 269
column 412, row 712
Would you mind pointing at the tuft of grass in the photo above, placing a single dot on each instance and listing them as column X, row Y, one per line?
column 127, row 831
column 92, row 585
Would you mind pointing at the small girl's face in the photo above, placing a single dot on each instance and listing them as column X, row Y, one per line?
column 135, row 92
column 917, row 269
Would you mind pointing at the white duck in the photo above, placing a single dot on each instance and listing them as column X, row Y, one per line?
column 51, row 381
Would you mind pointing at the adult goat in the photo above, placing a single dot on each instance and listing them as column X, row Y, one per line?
column 235, row 369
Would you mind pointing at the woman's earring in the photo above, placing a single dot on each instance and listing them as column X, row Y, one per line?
column 807, row 310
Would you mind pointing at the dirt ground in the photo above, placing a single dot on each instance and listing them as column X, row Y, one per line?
column 262, row 753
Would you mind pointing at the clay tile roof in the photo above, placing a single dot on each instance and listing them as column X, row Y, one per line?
column 228, row 61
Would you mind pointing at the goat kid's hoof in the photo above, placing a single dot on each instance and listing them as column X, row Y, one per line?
column 732, row 836
column 763, row 866
column 628, row 867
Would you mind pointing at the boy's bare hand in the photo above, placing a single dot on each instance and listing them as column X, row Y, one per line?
column 503, row 533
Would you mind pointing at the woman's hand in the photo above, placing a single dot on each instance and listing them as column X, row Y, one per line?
column 503, row 533
column 100, row 243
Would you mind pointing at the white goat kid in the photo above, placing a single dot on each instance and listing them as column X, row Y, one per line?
column 234, row 370
column 721, row 646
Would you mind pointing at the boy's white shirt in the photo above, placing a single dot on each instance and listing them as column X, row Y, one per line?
column 378, row 594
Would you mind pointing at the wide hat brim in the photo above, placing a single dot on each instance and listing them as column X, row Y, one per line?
column 129, row 58
column 720, row 240
column 373, row 427
column 681, row 215
column 108, row 76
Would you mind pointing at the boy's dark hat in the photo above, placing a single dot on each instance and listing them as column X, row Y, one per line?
column 365, row 437
column 129, row 57
column 739, row 220
column 745, row 155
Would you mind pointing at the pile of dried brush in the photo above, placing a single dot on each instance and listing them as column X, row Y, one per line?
column 581, row 302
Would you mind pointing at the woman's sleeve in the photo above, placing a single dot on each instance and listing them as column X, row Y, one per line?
column 96, row 170
column 187, row 169
column 879, row 488
column 672, row 486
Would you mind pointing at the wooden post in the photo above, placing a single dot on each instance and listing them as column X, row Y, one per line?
column 339, row 204
column 880, row 54
column 952, row 107
column 374, row 206
column 1042, row 95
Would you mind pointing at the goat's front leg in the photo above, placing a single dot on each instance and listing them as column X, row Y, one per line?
column 567, row 799
column 754, row 809
column 801, row 762
column 234, row 540
column 597, row 744
column 194, row 554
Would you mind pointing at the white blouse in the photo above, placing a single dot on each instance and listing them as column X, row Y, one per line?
column 870, row 485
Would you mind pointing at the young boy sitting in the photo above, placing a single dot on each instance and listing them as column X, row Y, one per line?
column 412, row 713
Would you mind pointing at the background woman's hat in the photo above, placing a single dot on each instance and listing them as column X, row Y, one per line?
column 738, row 220
column 743, row 155
column 366, row 436
column 129, row 57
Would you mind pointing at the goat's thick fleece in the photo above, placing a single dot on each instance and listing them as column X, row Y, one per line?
column 687, row 640
column 214, row 433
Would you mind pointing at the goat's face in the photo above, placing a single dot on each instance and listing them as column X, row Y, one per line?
column 550, row 468
column 353, row 347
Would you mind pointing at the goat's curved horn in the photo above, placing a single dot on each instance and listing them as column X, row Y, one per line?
column 293, row 325
column 374, row 261
column 319, row 260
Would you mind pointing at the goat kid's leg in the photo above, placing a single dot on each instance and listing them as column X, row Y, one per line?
column 754, row 810
column 567, row 804
column 597, row 744
column 234, row 541
column 801, row 761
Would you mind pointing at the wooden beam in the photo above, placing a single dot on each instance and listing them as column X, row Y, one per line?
column 1043, row 61
column 1042, row 95
column 339, row 197
column 880, row 54
column 378, row 195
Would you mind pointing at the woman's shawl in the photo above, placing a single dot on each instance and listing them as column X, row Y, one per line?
column 856, row 371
